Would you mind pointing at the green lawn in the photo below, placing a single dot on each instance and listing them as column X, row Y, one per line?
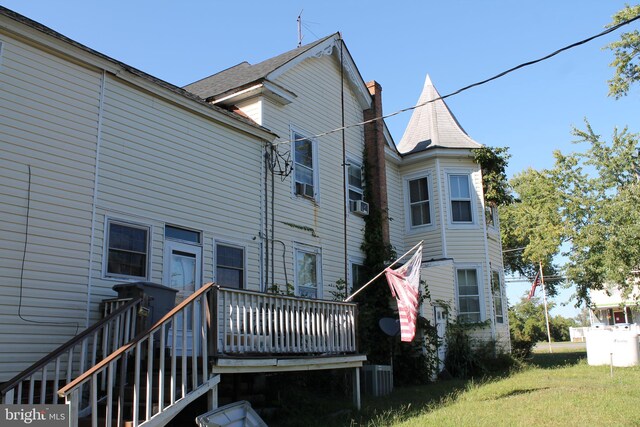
column 557, row 389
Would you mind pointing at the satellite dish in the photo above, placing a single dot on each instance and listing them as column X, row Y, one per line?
column 390, row 326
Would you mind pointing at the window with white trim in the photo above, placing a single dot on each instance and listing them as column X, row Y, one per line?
column 496, row 290
column 460, row 197
column 419, row 204
column 304, row 166
column 307, row 272
column 127, row 250
column 230, row 266
column 468, row 295
column 355, row 180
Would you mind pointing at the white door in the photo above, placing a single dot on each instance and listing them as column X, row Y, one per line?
column 440, row 314
column 182, row 271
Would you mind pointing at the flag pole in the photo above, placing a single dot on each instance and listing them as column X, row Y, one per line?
column 382, row 272
column 546, row 311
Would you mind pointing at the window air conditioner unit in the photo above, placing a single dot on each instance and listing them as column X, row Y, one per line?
column 359, row 207
column 305, row 190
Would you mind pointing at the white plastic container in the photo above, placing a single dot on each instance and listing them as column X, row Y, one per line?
column 625, row 348
column 599, row 346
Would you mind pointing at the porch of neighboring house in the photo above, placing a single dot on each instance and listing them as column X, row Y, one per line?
column 119, row 371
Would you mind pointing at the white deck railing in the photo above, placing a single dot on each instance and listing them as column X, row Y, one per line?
column 258, row 323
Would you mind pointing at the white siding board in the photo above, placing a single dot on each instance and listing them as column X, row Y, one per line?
column 50, row 111
column 316, row 109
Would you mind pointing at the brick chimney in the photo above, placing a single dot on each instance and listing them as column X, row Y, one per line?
column 375, row 143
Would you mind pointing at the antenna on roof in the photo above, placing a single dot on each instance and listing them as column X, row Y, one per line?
column 300, row 36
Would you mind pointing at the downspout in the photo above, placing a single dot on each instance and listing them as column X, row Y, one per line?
column 95, row 194
column 345, row 199
column 273, row 215
column 266, row 220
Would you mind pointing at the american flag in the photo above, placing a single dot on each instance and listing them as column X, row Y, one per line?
column 537, row 281
column 405, row 285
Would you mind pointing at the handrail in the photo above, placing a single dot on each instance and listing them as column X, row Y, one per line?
column 141, row 336
column 65, row 347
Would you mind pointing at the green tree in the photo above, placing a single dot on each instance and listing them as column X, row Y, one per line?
column 527, row 322
column 627, row 54
column 600, row 195
column 532, row 227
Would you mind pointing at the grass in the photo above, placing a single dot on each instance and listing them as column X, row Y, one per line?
column 549, row 390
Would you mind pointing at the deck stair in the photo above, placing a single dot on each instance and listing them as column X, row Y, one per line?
column 148, row 381
column 40, row 383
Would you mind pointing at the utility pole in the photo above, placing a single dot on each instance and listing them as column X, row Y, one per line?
column 546, row 310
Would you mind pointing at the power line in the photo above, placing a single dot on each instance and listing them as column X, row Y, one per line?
column 482, row 82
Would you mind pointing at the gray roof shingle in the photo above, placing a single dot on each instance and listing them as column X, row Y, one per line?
column 244, row 74
column 433, row 125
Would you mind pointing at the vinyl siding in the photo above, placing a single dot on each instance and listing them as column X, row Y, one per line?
column 161, row 165
column 50, row 110
column 396, row 208
column 439, row 277
column 252, row 108
column 317, row 108
column 431, row 235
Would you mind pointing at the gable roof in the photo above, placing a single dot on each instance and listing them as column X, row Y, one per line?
column 433, row 125
column 244, row 75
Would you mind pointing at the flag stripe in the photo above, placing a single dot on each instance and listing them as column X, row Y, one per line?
column 405, row 286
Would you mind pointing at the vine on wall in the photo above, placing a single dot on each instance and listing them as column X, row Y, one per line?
column 413, row 362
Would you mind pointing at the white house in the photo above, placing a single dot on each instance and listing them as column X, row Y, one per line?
column 612, row 306
column 109, row 175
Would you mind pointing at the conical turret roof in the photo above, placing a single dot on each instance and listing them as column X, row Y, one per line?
column 433, row 125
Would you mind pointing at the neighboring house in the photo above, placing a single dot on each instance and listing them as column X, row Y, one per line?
column 109, row 175
column 611, row 307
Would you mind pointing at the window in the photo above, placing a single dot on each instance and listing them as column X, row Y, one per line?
column 460, row 196
column 419, row 207
column 307, row 272
column 183, row 234
column 468, row 295
column 491, row 216
column 230, row 266
column 127, row 250
column 496, row 290
column 357, row 277
column 304, row 165
column 356, row 181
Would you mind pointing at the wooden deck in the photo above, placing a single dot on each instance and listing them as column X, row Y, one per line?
column 216, row 330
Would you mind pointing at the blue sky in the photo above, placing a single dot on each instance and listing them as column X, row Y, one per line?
column 457, row 42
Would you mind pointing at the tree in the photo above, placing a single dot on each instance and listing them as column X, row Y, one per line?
column 531, row 227
column 600, row 195
column 626, row 51
column 527, row 322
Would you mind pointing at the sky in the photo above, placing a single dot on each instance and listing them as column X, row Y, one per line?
column 457, row 42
